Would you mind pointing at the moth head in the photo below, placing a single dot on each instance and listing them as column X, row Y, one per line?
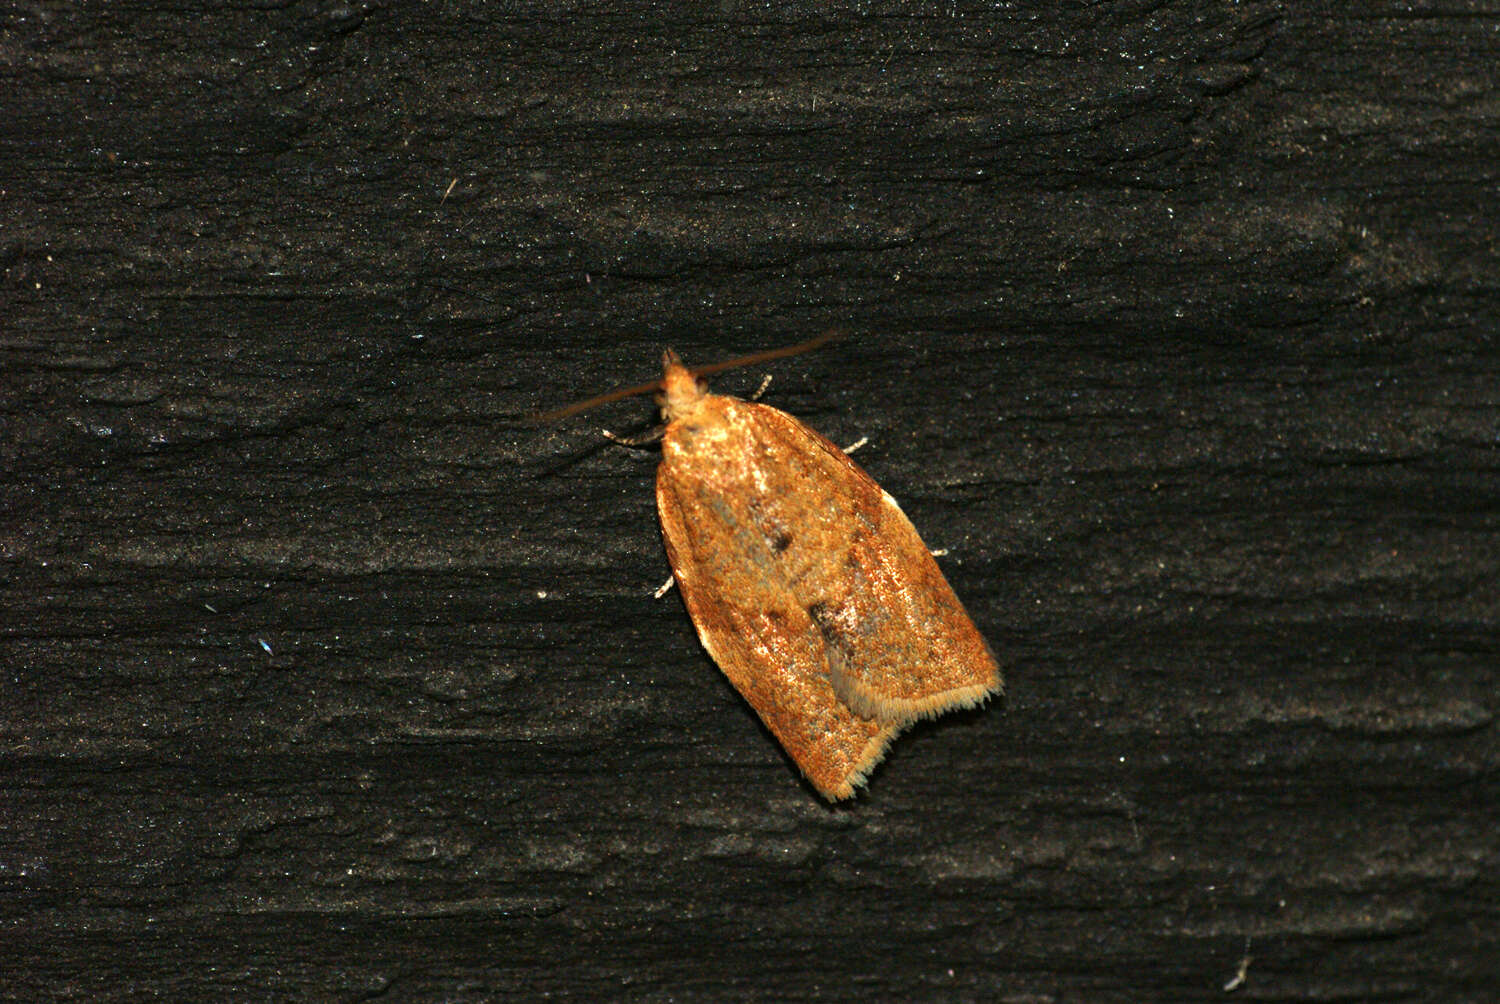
column 681, row 388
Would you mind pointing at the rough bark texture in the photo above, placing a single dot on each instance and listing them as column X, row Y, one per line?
column 324, row 678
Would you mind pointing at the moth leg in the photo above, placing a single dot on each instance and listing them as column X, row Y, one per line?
column 644, row 439
column 665, row 587
column 760, row 390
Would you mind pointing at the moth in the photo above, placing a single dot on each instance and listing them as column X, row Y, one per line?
column 806, row 582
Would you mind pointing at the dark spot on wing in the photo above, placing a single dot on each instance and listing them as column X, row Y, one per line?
column 825, row 619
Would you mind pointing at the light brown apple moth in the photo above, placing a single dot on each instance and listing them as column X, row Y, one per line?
column 807, row 583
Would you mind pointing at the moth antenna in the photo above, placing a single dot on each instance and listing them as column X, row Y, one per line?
column 765, row 357
column 698, row 371
column 594, row 402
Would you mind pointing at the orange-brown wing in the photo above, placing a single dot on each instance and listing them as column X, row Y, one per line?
column 901, row 645
column 752, row 625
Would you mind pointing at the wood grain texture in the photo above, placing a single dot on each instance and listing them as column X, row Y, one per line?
column 1175, row 324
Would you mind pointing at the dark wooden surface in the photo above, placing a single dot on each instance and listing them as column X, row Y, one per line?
column 324, row 678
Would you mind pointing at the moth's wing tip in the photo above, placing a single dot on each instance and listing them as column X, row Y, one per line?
column 960, row 697
column 864, row 701
column 846, row 787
